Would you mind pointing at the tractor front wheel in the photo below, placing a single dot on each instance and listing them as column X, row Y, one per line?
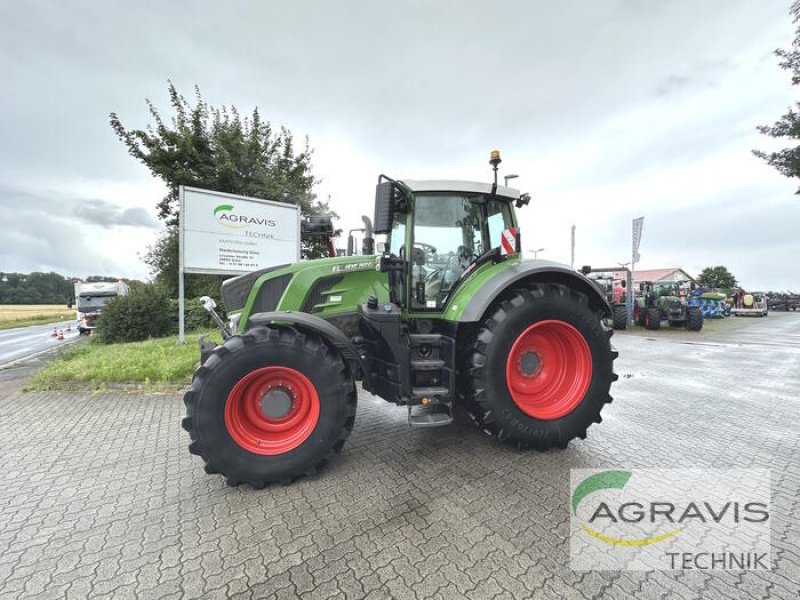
column 652, row 319
column 270, row 405
column 541, row 368
column 694, row 319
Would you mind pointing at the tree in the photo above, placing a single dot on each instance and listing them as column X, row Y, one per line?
column 717, row 277
column 787, row 161
column 215, row 148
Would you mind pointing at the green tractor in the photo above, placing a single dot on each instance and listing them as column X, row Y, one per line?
column 447, row 317
column 662, row 301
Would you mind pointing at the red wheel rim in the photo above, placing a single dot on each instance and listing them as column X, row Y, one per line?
column 272, row 410
column 549, row 369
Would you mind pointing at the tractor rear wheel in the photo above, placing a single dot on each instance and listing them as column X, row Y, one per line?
column 620, row 316
column 269, row 405
column 541, row 368
column 652, row 318
column 694, row 319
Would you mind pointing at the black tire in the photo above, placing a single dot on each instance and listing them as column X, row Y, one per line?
column 639, row 314
column 237, row 357
column 620, row 316
column 694, row 319
column 490, row 400
column 652, row 319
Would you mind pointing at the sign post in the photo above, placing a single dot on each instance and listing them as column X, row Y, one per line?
column 638, row 225
column 226, row 234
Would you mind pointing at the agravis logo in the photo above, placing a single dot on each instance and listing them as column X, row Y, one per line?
column 614, row 480
column 669, row 519
column 225, row 215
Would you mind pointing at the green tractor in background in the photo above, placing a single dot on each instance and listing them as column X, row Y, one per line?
column 662, row 301
column 448, row 316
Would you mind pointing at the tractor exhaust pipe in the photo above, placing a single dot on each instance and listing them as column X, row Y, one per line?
column 368, row 243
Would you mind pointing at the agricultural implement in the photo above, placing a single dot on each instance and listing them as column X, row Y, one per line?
column 447, row 317
column 750, row 304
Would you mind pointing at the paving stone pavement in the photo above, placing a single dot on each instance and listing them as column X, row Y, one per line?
column 101, row 499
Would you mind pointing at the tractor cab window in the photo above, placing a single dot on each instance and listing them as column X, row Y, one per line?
column 397, row 237
column 499, row 213
column 447, row 238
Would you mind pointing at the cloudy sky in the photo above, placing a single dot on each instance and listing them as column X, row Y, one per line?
column 607, row 110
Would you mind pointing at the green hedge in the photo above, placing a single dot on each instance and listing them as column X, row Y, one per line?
column 146, row 313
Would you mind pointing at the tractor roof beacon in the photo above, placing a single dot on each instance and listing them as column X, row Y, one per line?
column 447, row 317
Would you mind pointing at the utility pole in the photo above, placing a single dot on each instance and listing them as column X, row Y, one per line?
column 572, row 249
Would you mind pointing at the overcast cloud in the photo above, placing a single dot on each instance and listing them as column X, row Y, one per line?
column 607, row 110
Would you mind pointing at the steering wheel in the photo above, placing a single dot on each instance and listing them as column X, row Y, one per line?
column 462, row 255
column 423, row 245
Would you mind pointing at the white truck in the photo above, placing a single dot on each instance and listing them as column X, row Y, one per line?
column 91, row 297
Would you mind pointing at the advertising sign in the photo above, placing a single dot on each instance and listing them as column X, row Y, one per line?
column 227, row 234
column 638, row 224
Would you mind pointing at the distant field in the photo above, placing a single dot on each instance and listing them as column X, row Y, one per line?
column 22, row 315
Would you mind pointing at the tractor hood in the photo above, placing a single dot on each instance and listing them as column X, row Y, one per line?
column 327, row 287
column 235, row 291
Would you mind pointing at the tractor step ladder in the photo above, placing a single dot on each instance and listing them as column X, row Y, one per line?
column 431, row 406
column 433, row 415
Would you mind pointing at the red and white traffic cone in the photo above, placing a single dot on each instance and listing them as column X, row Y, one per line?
column 55, row 333
column 60, row 335
column 69, row 327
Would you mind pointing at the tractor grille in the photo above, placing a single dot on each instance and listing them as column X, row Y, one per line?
column 236, row 290
column 317, row 294
column 269, row 294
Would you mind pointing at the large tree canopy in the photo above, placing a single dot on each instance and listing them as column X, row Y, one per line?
column 218, row 149
column 787, row 160
column 717, row 277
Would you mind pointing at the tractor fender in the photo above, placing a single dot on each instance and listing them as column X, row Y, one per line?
column 533, row 270
column 308, row 322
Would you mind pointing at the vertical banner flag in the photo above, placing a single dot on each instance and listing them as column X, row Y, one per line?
column 637, row 238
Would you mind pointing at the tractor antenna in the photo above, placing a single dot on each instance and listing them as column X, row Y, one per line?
column 494, row 160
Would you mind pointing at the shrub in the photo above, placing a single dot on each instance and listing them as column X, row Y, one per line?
column 144, row 313
column 195, row 316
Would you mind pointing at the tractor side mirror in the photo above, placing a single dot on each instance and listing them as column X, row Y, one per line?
column 384, row 207
column 641, row 287
column 316, row 226
column 624, row 284
column 71, row 301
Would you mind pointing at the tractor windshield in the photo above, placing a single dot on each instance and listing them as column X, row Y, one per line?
column 450, row 231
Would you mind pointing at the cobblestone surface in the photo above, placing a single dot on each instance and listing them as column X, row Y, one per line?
column 100, row 497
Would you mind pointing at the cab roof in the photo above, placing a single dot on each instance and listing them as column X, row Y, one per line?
column 449, row 185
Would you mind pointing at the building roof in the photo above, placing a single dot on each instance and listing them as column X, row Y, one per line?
column 449, row 185
column 655, row 274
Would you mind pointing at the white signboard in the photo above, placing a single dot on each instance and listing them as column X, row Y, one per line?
column 228, row 234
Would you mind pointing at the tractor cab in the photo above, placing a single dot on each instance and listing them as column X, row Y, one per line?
column 437, row 232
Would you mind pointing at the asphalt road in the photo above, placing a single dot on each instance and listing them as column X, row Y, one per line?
column 101, row 498
column 25, row 341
